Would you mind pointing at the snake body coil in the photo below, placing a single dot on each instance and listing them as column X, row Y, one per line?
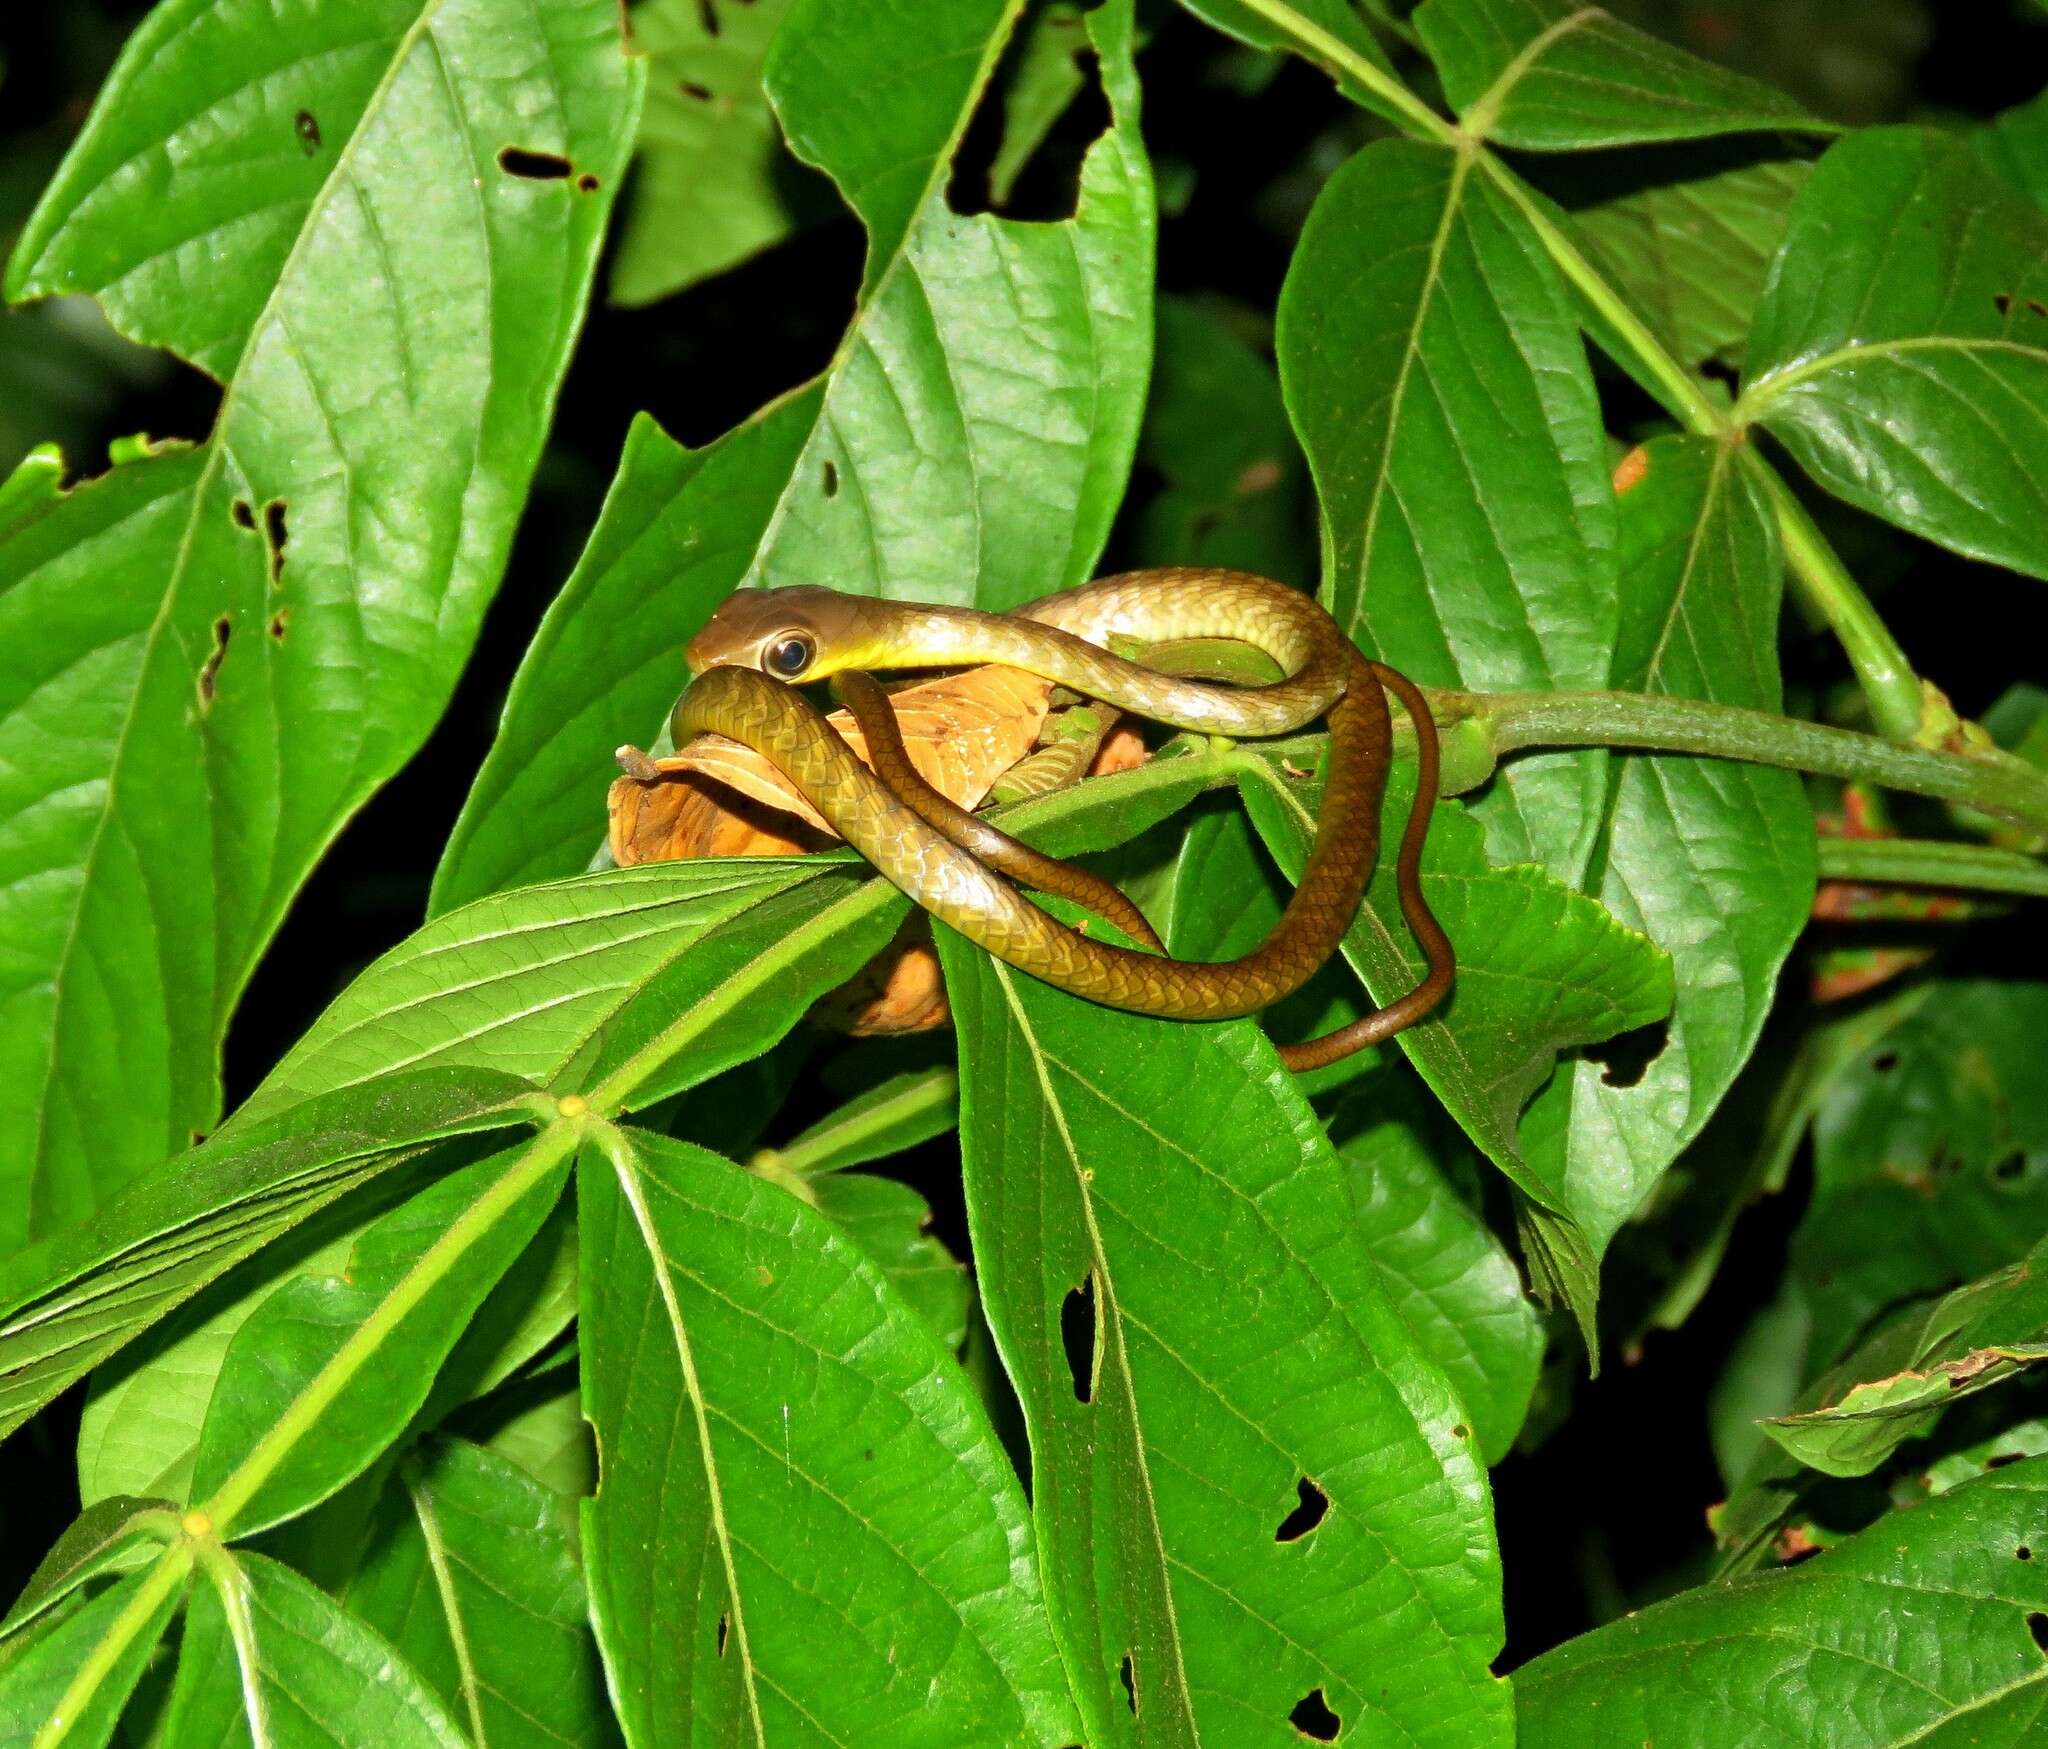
column 804, row 634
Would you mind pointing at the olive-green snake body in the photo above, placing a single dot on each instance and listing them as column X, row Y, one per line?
column 941, row 856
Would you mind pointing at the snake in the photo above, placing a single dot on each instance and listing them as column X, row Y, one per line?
column 762, row 644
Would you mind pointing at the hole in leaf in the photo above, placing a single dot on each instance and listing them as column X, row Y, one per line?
column 1627, row 1056
column 1077, row 1336
column 244, row 513
column 691, row 89
column 1307, row 1514
column 1127, row 1674
column 2010, row 1167
column 2036, row 307
column 2037, row 1625
column 1313, row 1719
column 534, row 166
column 1461, row 1431
column 2002, row 302
column 724, row 1625
column 587, row 183
column 831, row 480
column 277, row 623
column 1884, row 1062
column 274, row 536
column 707, row 15
column 2023, row 1553
column 223, row 629
column 1998, row 1459
column 1029, row 167
column 308, row 130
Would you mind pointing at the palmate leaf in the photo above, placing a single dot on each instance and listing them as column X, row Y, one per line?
column 969, row 441
column 806, row 1530
column 1924, row 1629
column 1901, row 350
column 69, row 1303
column 271, row 1660
column 1255, row 1496
column 713, row 184
column 1552, row 75
column 471, row 1572
column 1712, row 858
column 1433, row 368
column 213, row 655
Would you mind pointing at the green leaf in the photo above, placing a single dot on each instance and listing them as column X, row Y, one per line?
column 471, row 1573
column 713, row 184
column 1713, row 857
column 1901, row 351
column 2015, row 145
column 1540, row 970
column 271, row 1660
column 1930, row 1155
column 806, row 1529
column 102, row 1539
column 1433, row 367
column 1337, row 22
column 1454, row 1285
column 888, row 1221
column 1236, row 491
column 328, row 1370
column 968, row 443
column 1690, row 255
column 1553, row 76
column 215, row 654
column 1250, row 1484
column 1921, row 1630
column 665, row 974
column 1972, row 1339
column 82, row 1666
column 69, row 1303
column 538, row 1424
column 895, row 1114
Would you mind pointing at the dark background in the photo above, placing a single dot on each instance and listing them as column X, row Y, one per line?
column 1606, row 1511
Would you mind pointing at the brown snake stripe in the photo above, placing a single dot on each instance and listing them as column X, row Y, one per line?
column 804, row 634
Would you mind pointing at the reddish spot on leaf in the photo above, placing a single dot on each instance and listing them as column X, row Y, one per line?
column 1631, row 468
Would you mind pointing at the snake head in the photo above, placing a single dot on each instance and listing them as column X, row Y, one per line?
column 795, row 634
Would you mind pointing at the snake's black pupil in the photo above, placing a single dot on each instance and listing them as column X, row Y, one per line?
column 790, row 655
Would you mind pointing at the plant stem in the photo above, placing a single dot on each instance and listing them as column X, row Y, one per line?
column 1926, row 862
column 1340, row 59
column 1517, row 720
column 155, row 1587
column 1889, row 684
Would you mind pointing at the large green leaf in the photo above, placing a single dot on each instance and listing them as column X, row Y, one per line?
column 1930, row 1157
column 1450, row 1279
column 806, row 1529
column 2016, row 146
column 1433, row 367
column 214, row 654
column 271, row 1661
column 1923, row 1630
column 969, row 441
column 112, row 1635
column 1691, row 254
column 712, row 183
column 471, row 1571
column 1554, row 76
column 1901, row 351
column 1541, row 969
column 670, row 970
column 1713, row 858
column 69, row 1303
column 1254, row 1495
column 328, row 1370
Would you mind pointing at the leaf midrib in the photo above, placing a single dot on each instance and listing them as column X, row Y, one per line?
column 1757, row 399
column 216, row 451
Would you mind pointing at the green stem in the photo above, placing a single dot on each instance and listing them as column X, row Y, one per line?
column 1517, row 720
column 1927, row 862
column 1893, row 690
column 1342, row 61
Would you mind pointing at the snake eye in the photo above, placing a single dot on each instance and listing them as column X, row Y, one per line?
column 789, row 656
